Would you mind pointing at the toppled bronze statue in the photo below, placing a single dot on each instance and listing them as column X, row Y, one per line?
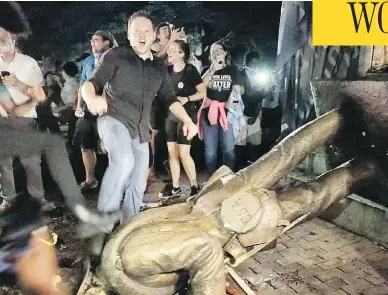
column 235, row 215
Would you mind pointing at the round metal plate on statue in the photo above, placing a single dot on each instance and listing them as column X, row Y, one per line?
column 241, row 212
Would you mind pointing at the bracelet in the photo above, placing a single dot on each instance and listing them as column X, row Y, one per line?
column 53, row 243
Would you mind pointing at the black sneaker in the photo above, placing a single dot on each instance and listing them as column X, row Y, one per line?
column 169, row 191
column 176, row 191
column 194, row 190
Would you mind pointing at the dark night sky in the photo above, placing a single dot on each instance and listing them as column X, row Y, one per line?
column 49, row 19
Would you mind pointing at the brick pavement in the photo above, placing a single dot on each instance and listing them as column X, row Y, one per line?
column 315, row 258
column 319, row 258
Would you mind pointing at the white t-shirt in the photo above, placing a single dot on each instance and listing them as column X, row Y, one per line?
column 26, row 69
column 69, row 93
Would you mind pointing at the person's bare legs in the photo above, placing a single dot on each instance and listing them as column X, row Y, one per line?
column 89, row 158
column 188, row 163
column 173, row 159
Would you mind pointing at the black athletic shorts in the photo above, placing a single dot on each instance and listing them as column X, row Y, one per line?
column 174, row 132
column 86, row 134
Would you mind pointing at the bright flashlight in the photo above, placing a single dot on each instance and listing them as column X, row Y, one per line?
column 262, row 77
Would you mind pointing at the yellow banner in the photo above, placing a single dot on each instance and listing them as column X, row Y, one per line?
column 339, row 22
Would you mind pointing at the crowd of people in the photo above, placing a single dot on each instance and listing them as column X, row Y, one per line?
column 119, row 100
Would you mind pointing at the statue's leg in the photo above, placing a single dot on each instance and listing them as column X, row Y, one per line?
column 292, row 150
column 316, row 196
column 281, row 160
column 154, row 251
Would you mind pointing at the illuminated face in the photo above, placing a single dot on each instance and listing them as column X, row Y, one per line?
column 7, row 45
column 175, row 54
column 164, row 34
column 218, row 53
column 141, row 35
column 98, row 44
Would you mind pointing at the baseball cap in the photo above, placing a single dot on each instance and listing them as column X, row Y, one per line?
column 105, row 34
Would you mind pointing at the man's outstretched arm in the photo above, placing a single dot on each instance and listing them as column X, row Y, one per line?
column 92, row 89
column 36, row 95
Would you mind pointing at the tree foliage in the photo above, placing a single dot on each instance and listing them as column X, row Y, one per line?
column 60, row 28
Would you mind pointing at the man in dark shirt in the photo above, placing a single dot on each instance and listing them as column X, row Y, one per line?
column 130, row 78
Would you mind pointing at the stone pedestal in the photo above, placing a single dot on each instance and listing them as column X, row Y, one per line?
column 364, row 104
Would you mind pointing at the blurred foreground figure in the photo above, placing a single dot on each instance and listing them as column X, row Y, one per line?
column 38, row 267
column 21, row 139
column 234, row 216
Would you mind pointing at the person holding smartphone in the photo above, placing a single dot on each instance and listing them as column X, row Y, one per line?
column 214, row 128
column 20, row 139
column 19, row 73
column 38, row 267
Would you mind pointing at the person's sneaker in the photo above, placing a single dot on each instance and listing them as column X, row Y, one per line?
column 166, row 189
column 172, row 192
column 86, row 187
column 194, row 190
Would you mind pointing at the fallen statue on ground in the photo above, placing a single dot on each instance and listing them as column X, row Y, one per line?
column 233, row 217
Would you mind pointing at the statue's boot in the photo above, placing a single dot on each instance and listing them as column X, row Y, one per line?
column 309, row 200
column 316, row 196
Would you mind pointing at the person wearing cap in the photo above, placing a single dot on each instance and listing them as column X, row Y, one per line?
column 86, row 135
column 130, row 79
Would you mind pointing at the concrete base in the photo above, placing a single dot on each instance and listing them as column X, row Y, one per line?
column 354, row 213
column 360, row 216
column 366, row 133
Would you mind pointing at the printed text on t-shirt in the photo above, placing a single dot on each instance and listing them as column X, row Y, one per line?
column 221, row 82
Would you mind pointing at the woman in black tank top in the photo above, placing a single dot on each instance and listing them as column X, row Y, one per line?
column 190, row 90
